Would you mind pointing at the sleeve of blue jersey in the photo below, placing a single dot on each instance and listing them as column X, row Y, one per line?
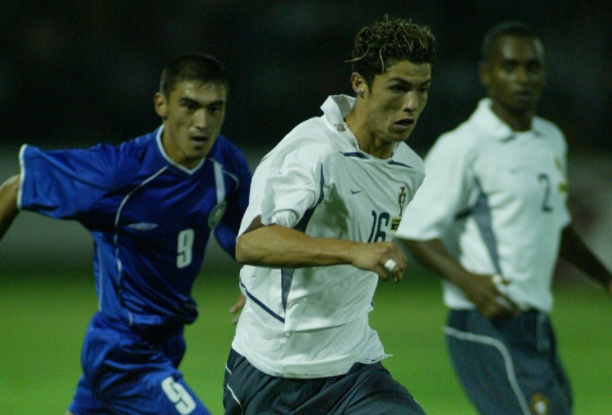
column 64, row 183
column 237, row 199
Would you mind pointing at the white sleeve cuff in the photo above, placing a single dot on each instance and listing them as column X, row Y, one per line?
column 286, row 218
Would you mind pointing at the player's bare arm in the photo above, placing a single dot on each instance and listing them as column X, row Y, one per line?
column 481, row 290
column 574, row 250
column 8, row 203
column 279, row 246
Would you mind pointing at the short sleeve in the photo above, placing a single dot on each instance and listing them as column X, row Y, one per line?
column 65, row 183
column 292, row 186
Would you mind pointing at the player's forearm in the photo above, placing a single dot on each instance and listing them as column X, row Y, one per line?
column 278, row 246
column 8, row 203
column 574, row 250
column 434, row 255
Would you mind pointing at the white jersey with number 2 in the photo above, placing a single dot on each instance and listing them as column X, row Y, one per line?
column 497, row 200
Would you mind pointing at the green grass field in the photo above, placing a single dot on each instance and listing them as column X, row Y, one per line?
column 43, row 319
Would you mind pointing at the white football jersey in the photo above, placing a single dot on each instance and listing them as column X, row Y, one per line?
column 313, row 322
column 497, row 200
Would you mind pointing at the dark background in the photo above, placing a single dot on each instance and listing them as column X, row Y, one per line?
column 77, row 72
column 83, row 71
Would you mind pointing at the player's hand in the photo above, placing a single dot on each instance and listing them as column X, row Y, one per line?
column 237, row 307
column 483, row 292
column 384, row 258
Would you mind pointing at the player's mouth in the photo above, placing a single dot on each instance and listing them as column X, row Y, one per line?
column 405, row 123
column 199, row 139
column 524, row 95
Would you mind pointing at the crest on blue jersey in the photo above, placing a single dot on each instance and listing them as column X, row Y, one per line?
column 216, row 214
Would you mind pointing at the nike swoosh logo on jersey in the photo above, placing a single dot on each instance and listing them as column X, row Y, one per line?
column 143, row 226
column 356, row 191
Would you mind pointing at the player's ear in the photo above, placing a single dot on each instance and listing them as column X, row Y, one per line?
column 483, row 71
column 160, row 104
column 359, row 84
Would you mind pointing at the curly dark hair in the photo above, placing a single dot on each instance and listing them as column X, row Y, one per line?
column 389, row 41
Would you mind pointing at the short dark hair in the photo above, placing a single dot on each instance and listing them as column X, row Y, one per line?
column 508, row 28
column 389, row 41
column 192, row 67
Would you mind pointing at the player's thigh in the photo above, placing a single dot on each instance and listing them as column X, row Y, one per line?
column 147, row 390
column 176, row 397
column 85, row 403
column 485, row 371
column 503, row 367
column 539, row 369
column 152, row 391
column 365, row 390
column 126, row 374
column 373, row 391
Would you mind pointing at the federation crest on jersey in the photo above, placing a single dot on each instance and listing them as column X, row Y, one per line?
column 401, row 204
column 216, row 214
column 563, row 183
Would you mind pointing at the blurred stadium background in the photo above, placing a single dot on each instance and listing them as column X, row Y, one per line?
column 86, row 72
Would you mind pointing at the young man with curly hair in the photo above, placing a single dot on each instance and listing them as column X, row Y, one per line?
column 316, row 239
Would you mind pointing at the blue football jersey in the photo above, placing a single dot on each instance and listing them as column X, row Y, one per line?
column 149, row 217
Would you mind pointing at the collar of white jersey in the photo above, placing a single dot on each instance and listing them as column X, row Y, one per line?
column 499, row 130
column 336, row 108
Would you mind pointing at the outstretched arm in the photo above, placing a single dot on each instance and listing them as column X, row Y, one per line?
column 8, row 203
column 575, row 251
column 479, row 289
column 279, row 246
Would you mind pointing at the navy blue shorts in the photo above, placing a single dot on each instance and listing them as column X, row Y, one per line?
column 367, row 389
column 508, row 366
column 125, row 372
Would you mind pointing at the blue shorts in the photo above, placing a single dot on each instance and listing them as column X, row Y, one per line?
column 367, row 389
column 508, row 366
column 125, row 372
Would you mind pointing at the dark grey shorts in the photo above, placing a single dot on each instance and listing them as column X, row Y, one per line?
column 368, row 389
column 508, row 366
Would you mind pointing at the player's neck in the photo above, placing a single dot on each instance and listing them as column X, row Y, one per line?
column 368, row 141
column 515, row 119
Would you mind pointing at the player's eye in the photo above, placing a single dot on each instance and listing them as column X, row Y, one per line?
column 533, row 67
column 424, row 89
column 215, row 109
column 508, row 67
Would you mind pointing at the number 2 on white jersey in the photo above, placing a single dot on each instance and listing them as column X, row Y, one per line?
column 543, row 178
column 184, row 248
